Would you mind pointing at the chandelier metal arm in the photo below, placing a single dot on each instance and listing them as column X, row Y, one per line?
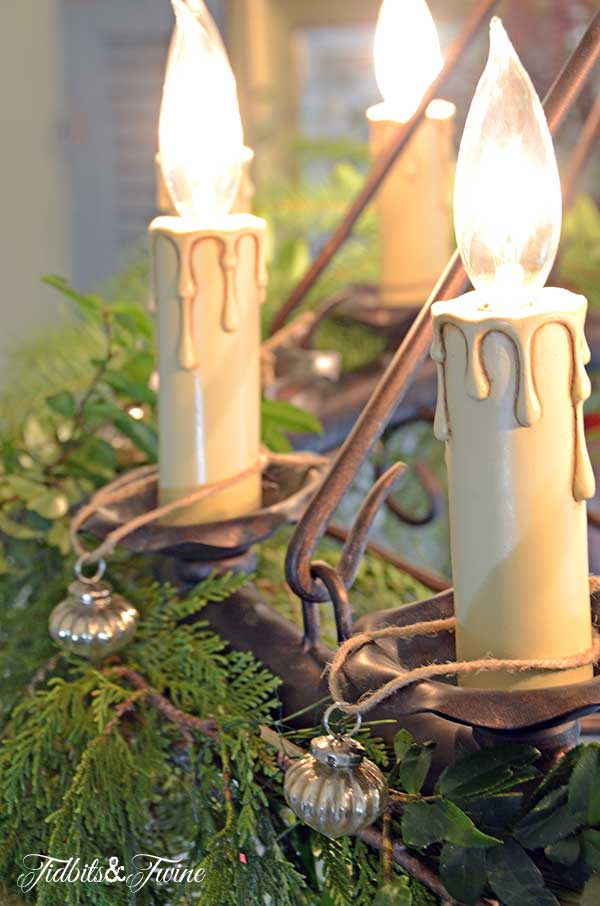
column 408, row 359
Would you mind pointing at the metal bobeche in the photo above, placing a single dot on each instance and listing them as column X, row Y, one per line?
column 527, row 713
column 288, row 483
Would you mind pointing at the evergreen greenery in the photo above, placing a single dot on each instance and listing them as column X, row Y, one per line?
column 169, row 747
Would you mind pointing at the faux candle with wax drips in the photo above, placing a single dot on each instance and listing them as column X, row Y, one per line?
column 209, row 281
column 511, row 386
column 413, row 205
column 208, row 288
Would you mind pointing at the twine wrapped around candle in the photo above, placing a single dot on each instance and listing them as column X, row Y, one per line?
column 123, row 487
column 451, row 668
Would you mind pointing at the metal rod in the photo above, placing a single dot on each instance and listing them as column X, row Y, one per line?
column 582, row 153
column 383, row 164
column 410, row 356
column 433, row 580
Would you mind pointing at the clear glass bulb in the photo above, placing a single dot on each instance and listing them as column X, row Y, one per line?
column 200, row 135
column 406, row 53
column 507, row 197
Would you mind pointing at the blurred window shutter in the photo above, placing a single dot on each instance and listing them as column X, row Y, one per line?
column 115, row 54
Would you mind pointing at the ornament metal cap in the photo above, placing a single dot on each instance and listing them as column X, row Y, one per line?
column 90, row 594
column 337, row 751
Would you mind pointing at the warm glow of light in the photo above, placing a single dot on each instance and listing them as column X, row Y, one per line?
column 407, row 55
column 201, row 142
column 136, row 412
column 507, row 198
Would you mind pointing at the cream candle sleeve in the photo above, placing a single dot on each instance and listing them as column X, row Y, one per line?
column 413, row 204
column 208, row 286
column 511, row 387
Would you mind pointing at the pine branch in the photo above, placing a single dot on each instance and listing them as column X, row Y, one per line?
column 185, row 722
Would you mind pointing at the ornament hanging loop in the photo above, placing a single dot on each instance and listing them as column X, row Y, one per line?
column 89, row 580
column 349, row 733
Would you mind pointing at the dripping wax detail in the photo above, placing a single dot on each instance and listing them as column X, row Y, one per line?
column 185, row 246
column 527, row 408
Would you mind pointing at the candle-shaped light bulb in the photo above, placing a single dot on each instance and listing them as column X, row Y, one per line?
column 407, row 54
column 507, row 198
column 200, row 131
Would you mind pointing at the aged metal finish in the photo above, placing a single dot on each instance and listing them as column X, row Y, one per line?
column 289, row 481
column 335, row 789
column 519, row 714
column 92, row 621
column 248, row 623
column 582, row 153
column 408, row 358
column 428, row 577
column 386, row 161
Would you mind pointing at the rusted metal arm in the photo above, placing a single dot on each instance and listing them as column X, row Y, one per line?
column 384, row 163
column 409, row 357
column 582, row 153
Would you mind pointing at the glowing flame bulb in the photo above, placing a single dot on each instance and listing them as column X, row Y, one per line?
column 201, row 140
column 407, row 55
column 507, row 198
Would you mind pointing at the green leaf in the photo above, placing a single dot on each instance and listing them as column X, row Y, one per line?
column 94, row 456
column 289, row 418
column 18, row 530
column 402, row 743
column 52, row 504
column 89, row 305
column 63, row 403
column 424, row 823
column 275, row 440
column 494, row 813
column 36, row 436
column 349, row 177
column 394, row 893
column 139, row 367
column 144, row 436
column 412, row 771
column 24, row 488
column 591, row 848
column 136, row 391
column 488, row 771
column 515, row 878
column 293, row 258
column 584, row 786
column 133, row 318
column 591, row 892
column 463, row 872
column 59, row 537
column 565, row 852
column 549, row 821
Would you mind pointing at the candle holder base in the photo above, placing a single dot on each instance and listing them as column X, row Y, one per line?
column 194, row 551
column 547, row 718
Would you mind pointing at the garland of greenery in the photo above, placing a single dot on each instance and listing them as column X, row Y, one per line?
column 174, row 746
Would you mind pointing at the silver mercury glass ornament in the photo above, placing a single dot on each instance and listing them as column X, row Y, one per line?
column 92, row 621
column 335, row 789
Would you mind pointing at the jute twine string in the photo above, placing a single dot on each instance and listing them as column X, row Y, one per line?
column 406, row 678
column 128, row 484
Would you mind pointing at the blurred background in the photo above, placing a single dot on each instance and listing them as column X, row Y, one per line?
column 80, row 93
